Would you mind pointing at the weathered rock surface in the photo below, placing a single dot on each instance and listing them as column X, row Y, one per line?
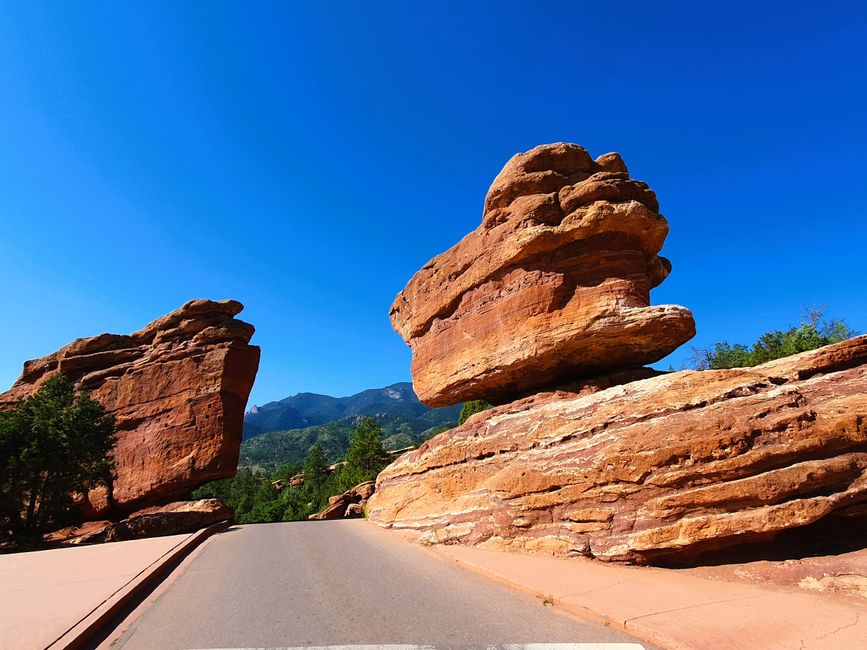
column 170, row 519
column 177, row 389
column 349, row 504
column 843, row 574
column 553, row 285
column 670, row 466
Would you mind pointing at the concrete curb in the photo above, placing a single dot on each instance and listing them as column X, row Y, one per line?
column 93, row 623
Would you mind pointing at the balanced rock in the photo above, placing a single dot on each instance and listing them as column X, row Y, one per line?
column 671, row 466
column 177, row 389
column 553, row 285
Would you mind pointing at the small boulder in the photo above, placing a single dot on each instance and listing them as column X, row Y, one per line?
column 349, row 504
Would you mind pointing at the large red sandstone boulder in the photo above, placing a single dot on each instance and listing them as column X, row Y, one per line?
column 666, row 467
column 553, row 285
column 177, row 389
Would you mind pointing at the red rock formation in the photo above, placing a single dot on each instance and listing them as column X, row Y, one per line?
column 553, row 285
column 349, row 504
column 670, row 466
column 177, row 388
column 842, row 574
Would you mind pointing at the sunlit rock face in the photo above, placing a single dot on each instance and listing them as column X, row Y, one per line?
column 671, row 466
column 177, row 389
column 554, row 285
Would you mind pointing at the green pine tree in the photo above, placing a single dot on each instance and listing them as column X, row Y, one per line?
column 315, row 468
column 53, row 445
column 471, row 408
column 366, row 456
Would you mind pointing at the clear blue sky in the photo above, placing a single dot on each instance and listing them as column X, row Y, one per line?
column 307, row 159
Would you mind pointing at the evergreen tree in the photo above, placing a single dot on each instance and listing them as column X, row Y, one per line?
column 366, row 456
column 471, row 408
column 315, row 468
column 53, row 445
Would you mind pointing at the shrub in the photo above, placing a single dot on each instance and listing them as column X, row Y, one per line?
column 812, row 333
column 471, row 408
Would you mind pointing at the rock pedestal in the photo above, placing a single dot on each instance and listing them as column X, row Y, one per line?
column 667, row 467
column 168, row 519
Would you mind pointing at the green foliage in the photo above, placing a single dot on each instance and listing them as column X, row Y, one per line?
column 266, row 496
column 255, row 496
column 366, row 456
column 272, row 450
column 471, row 408
column 316, row 467
column 53, row 445
column 811, row 334
column 395, row 406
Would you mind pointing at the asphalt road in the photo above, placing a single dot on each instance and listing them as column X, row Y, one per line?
column 340, row 583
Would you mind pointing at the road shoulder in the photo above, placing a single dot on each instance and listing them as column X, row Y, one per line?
column 672, row 608
column 61, row 598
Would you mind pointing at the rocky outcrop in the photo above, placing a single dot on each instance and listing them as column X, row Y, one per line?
column 841, row 574
column 177, row 389
column 553, row 285
column 670, row 466
column 349, row 504
column 169, row 519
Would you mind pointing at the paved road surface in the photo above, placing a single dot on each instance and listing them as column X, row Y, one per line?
column 340, row 583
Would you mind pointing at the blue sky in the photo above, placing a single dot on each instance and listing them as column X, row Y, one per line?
column 307, row 159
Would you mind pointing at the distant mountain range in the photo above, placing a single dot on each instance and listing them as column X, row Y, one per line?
column 308, row 409
column 280, row 433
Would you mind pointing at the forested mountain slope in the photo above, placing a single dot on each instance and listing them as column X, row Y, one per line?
column 280, row 433
column 308, row 409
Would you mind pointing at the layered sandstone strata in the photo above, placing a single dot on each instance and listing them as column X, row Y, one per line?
column 670, row 466
column 177, row 389
column 553, row 285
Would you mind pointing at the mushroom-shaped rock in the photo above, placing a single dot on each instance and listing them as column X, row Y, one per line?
column 554, row 285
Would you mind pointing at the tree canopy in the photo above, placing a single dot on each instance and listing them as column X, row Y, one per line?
column 812, row 333
column 366, row 456
column 267, row 496
column 471, row 408
column 53, row 445
column 316, row 467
